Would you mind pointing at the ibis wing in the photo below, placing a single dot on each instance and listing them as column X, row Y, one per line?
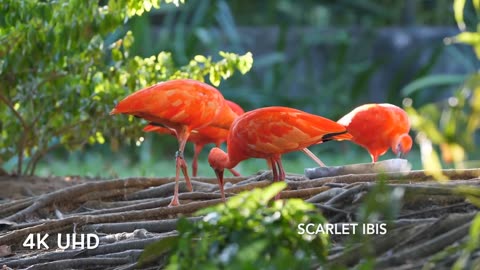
column 173, row 103
column 282, row 131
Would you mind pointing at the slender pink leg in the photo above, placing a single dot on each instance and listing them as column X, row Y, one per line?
column 182, row 137
column 274, row 169
column 269, row 165
column 197, row 149
column 234, row 172
column 313, row 157
column 183, row 166
column 281, row 174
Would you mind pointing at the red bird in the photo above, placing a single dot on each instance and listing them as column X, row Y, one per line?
column 378, row 127
column 202, row 136
column 181, row 105
column 270, row 132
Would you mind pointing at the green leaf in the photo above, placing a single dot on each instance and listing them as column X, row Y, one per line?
column 458, row 6
column 200, row 58
column 476, row 5
column 471, row 38
column 272, row 190
column 472, row 244
column 474, row 241
column 157, row 249
column 252, row 251
column 246, row 62
column 432, row 81
column 214, row 76
column 79, row 66
column 245, row 233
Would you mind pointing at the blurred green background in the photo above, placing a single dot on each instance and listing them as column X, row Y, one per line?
column 324, row 57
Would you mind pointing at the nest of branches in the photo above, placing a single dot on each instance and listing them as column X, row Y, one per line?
column 128, row 214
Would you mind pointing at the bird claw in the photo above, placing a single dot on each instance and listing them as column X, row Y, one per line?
column 174, row 202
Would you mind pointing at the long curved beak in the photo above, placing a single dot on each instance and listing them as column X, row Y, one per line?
column 219, row 174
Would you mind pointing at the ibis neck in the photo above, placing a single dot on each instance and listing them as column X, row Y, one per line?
column 230, row 163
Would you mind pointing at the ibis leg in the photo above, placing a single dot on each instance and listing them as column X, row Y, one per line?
column 234, row 172
column 281, row 174
column 182, row 137
column 198, row 148
column 313, row 157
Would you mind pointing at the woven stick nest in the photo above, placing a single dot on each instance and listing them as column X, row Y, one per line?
column 128, row 214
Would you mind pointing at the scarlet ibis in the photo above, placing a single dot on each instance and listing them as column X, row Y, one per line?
column 181, row 105
column 270, row 132
column 202, row 136
column 378, row 127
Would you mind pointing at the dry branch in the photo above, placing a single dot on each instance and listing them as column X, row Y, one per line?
column 100, row 205
column 262, row 175
column 302, row 193
column 381, row 244
column 107, row 194
column 214, row 181
column 156, row 203
column 437, row 228
column 330, row 208
column 16, row 236
column 249, row 186
column 326, row 195
column 167, row 190
column 425, row 248
column 157, row 226
column 13, row 208
column 435, row 210
column 342, row 197
column 66, row 194
column 397, row 223
column 413, row 176
column 113, row 248
column 136, row 213
column 83, row 263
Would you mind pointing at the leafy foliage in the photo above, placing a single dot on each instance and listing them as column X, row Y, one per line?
column 63, row 64
column 248, row 232
column 381, row 203
column 450, row 123
column 465, row 259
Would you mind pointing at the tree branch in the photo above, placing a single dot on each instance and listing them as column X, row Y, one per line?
column 68, row 223
column 21, row 142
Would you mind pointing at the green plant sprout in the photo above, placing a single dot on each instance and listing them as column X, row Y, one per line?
column 249, row 231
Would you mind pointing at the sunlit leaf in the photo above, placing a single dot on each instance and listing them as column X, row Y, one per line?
column 472, row 244
column 430, row 160
column 471, row 38
column 432, row 81
column 458, row 6
column 425, row 123
column 476, row 5
column 245, row 231
column 452, row 152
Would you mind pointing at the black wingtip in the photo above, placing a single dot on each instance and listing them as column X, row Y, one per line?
column 156, row 124
column 329, row 136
